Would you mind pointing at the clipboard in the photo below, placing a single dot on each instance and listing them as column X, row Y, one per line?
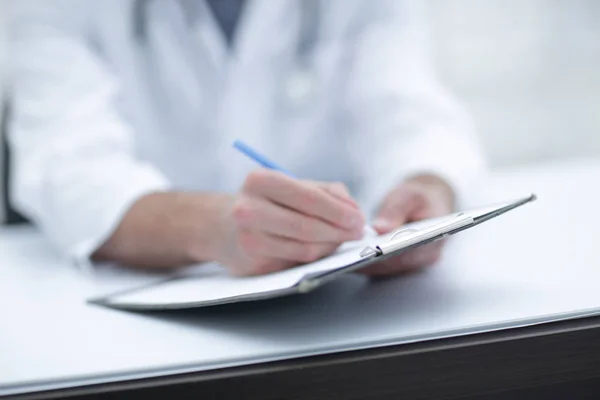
column 213, row 286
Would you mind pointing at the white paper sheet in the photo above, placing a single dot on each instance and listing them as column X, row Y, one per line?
column 211, row 282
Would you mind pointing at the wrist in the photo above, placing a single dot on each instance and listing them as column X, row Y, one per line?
column 169, row 229
column 207, row 221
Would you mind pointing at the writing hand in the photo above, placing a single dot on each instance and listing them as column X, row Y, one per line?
column 277, row 222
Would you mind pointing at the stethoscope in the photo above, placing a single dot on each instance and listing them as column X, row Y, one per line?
column 301, row 82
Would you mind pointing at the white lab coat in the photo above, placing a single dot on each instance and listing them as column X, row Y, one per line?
column 101, row 118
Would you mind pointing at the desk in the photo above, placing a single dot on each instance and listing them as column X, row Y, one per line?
column 352, row 338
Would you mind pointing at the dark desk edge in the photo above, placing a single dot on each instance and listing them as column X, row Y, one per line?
column 550, row 354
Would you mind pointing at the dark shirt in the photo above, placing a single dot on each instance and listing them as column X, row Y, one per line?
column 227, row 13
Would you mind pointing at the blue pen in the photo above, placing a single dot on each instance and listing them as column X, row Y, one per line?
column 262, row 160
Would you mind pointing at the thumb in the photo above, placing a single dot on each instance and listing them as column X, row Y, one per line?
column 391, row 216
column 395, row 211
column 339, row 191
column 383, row 224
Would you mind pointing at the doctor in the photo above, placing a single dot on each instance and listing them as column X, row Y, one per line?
column 124, row 112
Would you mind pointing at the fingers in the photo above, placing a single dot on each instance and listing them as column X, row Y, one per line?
column 305, row 198
column 261, row 215
column 409, row 202
column 277, row 247
column 396, row 210
column 265, row 254
column 399, row 206
column 338, row 190
column 279, row 222
column 414, row 200
column 412, row 260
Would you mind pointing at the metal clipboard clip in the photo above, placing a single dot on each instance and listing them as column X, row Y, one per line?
column 405, row 238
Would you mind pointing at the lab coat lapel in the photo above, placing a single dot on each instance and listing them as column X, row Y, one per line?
column 209, row 34
column 261, row 42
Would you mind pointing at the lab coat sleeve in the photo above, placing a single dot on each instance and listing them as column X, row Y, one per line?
column 74, row 170
column 403, row 120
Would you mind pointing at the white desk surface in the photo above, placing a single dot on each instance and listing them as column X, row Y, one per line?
column 535, row 264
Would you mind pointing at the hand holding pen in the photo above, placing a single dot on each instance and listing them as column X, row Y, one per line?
column 280, row 221
column 266, row 163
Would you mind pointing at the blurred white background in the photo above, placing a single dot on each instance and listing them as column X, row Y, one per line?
column 529, row 71
column 2, row 57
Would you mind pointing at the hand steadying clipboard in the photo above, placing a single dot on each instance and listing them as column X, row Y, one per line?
column 215, row 286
